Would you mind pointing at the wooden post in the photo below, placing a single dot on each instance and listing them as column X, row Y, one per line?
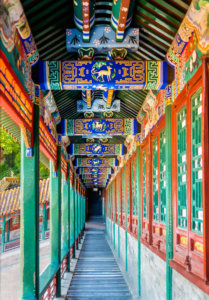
column 126, row 217
column 55, row 217
column 169, row 207
column 65, row 212
column 8, row 230
column 138, row 203
column 3, row 234
column 205, row 165
column 29, row 218
column 74, row 210
column 44, row 220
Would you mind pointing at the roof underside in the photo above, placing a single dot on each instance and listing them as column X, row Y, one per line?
column 158, row 22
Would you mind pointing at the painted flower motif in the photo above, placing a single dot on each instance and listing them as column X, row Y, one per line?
column 69, row 32
column 107, row 29
column 96, row 42
column 135, row 31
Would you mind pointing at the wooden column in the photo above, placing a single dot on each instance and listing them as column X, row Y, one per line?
column 138, row 203
column 74, row 206
column 169, row 207
column 3, row 234
column 65, row 212
column 126, row 217
column 205, row 165
column 44, row 221
column 8, row 230
column 29, row 218
column 55, row 217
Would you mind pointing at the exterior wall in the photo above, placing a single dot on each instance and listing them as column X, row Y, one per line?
column 153, row 270
column 153, row 275
column 184, row 289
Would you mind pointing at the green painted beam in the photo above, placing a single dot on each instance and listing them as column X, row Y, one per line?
column 29, row 217
column 55, row 217
column 169, row 210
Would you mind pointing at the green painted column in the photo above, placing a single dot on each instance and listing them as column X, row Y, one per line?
column 55, row 217
column 126, row 218
column 113, row 203
column 44, row 220
column 118, row 210
column 3, row 234
column 74, row 210
column 169, row 208
column 29, row 218
column 138, row 203
column 72, row 231
column 8, row 230
column 65, row 213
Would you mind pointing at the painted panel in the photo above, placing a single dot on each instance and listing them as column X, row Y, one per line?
column 182, row 167
column 103, row 75
column 98, row 105
column 102, row 39
column 70, row 127
column 95, row 162
column 196, row 163
column 162, row 177
column 96, row 149
column 155, row 180
column 95, row 170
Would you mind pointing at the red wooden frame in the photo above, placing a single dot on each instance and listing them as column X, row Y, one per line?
column 158, row 229
column 186, row 253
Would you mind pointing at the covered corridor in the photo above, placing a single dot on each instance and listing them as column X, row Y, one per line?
column 104, row 115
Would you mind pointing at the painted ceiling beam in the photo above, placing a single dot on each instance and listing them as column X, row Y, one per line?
column 97, row 149
column 102, row 39
column 122, row 11
column 98, row 127
column 102, row 75
column 95, row 162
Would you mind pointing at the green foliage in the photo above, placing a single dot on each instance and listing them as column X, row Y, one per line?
column 43, row 171
column 10, row 155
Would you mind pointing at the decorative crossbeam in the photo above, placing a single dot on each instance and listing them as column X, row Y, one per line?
column 95, row 176
column 95, row 171
column 98, row 105
column 103, row 75
column 102, row 39
column 70, row 127
column 97, row 149
column 95, row 162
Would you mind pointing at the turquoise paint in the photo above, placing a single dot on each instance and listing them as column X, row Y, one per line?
column 126, row 219
column 138, row 202
column 44, row 220
column 29, row 218
column 113, row 201
column 3, row 234
column 169, row 208
column 55, row 217
column 8, row 230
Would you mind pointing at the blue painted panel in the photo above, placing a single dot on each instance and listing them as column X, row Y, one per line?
column 98, row 105
column 102, row 39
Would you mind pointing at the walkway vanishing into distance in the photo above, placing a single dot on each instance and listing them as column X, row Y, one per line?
column 97, row 275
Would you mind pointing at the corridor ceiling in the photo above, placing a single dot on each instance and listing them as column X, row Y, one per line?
column 158, row 22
